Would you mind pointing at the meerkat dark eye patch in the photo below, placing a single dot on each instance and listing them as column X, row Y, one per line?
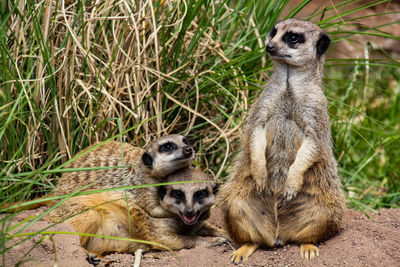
column 147, row 159
column 292, row 38
column 200, row 195
column 178, row 194
column 162, row 191
column 273, row 33
column 167, row 147
column 323, row 44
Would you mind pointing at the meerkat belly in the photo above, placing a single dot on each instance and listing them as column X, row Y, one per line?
column 284, row 139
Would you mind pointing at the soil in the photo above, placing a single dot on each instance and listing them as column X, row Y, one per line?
column 66, row 247
column 362, row 242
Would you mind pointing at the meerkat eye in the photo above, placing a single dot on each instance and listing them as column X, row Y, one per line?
column 178, row 194
column 169, row 146
column 200, row 194
column 292, row 38
column 273, row 33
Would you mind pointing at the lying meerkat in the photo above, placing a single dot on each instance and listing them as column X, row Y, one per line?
column 109, row 214
column 163, row 156
column 284, row 186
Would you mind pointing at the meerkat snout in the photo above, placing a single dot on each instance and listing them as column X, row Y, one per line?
column 187, row 151
column 270, row 48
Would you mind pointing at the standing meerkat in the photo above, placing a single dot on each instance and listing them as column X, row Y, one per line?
column 187, row 205
column 284, row 186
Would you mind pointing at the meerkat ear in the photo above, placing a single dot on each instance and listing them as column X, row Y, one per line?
column 162, row 191
column 147, row 160
column 322, row 44
column 215, row 188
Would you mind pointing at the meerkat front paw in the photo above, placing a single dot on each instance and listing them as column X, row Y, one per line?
column 290, row 193
column 292, row 187
column 260, row 177
column 159, row 212
column 92, row 258
column 214, row 241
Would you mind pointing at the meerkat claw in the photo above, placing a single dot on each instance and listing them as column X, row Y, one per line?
column 290, row 194
column 308, row 251
column 92, row 258
column 237, row 259
column 261, row 187
column 264, row 192
column 287, row 198
column 217, row 241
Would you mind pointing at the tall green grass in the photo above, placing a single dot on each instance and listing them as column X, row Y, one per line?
column 70, row 70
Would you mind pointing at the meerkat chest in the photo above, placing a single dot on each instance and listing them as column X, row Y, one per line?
column 286, row 108
column 284, row 128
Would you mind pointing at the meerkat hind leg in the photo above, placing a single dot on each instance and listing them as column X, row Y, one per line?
column 243, row 253
column 248, row 223
column 308, row 251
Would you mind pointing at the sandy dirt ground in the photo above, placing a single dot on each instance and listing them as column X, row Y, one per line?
column 362, row 242
column 65, row 250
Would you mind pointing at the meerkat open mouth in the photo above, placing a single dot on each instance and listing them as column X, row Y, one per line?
column 189, row 220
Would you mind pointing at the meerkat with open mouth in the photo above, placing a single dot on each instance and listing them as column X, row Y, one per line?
column 108, row 214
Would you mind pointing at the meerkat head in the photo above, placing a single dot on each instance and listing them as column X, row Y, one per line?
column 166, row 155
column 296, row 42
column 191, row 201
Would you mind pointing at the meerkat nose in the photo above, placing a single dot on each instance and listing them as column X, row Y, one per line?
column 189, row 213
column 270, row 48
column 188, row 151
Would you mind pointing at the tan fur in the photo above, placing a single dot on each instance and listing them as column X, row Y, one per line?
column 113, row 154
column 133, row 213
column 124, row 167
column 135, row 172
column 284, row 185
column 110, row 214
